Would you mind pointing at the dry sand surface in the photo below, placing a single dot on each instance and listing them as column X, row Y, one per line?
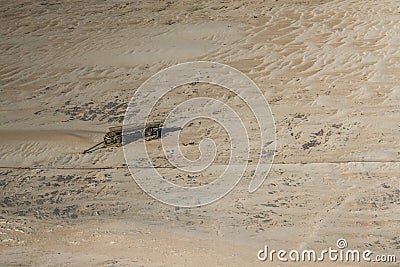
column 330, row 71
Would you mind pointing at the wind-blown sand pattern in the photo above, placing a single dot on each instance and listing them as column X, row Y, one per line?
column 329, row 69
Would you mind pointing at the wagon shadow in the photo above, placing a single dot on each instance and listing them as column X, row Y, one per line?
column 132, row 136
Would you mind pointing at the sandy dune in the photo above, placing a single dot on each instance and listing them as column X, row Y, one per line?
column 329, row 69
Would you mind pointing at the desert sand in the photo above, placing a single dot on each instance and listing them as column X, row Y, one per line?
column 329, row 70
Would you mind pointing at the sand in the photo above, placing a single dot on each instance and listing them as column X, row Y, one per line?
column 329, row 70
